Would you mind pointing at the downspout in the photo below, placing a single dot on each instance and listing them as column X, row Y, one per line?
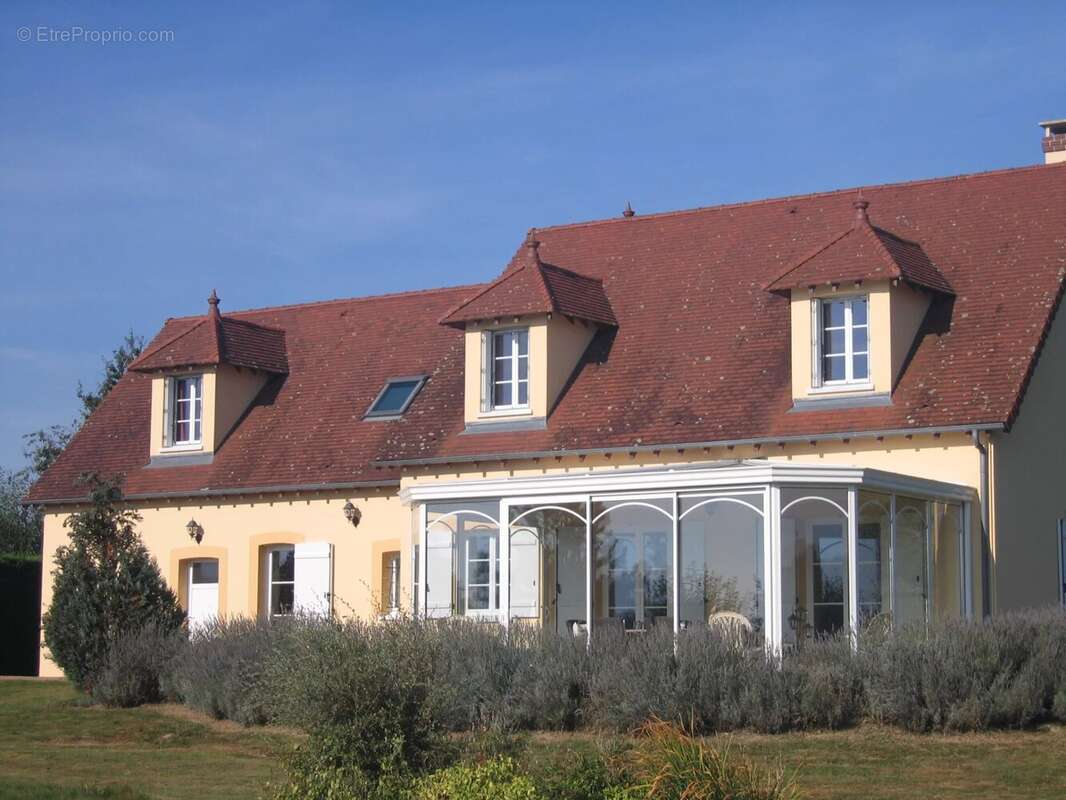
column 986, row 545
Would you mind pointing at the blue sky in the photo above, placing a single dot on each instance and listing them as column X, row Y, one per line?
column 330, row 150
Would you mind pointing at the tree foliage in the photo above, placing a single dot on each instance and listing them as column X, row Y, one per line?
column 106, row 583
column 20, row 526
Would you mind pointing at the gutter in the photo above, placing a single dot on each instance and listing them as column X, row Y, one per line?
column 986, row 542
column 682, row 446
column 207, row 493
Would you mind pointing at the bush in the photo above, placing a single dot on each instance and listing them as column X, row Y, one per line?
column 671, row 765
column 1006, row 672
column 106, row 583
column 321, row 769
column 367, row 685
column 136, row 660
column 220, row 670
column 497, row 779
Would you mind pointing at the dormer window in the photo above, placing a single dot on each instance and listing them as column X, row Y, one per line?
column 509, row 369
column 842, row 341
column 396, row 396
column 186, row 416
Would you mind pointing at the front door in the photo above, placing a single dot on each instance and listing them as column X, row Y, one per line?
column 203, row 592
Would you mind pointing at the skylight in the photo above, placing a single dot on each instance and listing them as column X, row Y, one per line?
column 395, row 396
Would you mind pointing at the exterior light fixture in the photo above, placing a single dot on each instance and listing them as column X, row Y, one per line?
column 196, row 531
column 352, row 514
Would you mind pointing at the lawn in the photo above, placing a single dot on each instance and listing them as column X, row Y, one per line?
column 53, row 746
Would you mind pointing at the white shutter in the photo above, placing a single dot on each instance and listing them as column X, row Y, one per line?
column 486, row 371
column 439, row 578
column 168, row 390
column 525, row 572
column 314, row 578
column 816, row 346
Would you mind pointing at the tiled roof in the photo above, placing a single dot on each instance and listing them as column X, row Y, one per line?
column 862, row 252
column 700, row 352
column 306, row 427
column 530, row 286
column 212, row 340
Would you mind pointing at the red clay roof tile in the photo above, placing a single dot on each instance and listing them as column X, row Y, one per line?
column 700, row 353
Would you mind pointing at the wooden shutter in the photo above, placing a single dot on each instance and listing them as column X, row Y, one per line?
column 314, row 578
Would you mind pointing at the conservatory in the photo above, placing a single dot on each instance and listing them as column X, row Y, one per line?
column 780, row 552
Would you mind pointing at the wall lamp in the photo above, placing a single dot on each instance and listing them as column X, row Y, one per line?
column 352, row 514
column 196, row 531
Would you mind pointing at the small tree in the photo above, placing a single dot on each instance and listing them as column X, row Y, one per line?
column 106, row 583
column 20, row 526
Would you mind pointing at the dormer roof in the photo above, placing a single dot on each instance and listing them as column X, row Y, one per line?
column 532, row 287
column 212, row 340
column 862, row 252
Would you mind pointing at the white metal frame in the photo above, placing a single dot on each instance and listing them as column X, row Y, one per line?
column 726, row 481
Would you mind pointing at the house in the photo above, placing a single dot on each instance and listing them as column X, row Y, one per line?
column 797, row 415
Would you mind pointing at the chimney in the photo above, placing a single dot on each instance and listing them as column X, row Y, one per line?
column 1054, row 142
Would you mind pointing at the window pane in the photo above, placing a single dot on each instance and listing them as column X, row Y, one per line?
column 833, row 368
column 181, row 431
column 502, row 395
column 832, row 313
column 501, row 344
column 523, row 393
column 523, row 342
column 281, row 599
column 394, row 397
column 196, row 431
column 183, row 389
column 832, row 342
column 549, row 568
column 282, row 565
column 633, row 563
column 861, row 367
column 479, row 573
column 480, row 547
column 858, row 340
column 503, row 369
column 858, row 311
column 478, row 598
column 205, row 571
column 523, row 368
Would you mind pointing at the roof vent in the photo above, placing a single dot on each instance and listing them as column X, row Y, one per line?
column 1054, row 142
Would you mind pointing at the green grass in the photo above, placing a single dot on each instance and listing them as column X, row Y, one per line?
column 55, row 746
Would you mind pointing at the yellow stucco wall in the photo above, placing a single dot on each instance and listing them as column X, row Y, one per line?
column 235, row 529
column 233, row 392
column 227, row 394
column 1029, row 478
column 567, row 341
column 555, row 346
column 538, row 369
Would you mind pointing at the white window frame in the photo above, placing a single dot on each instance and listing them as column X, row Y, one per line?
column 271, row 583
column 494, row 572
column 818, row 330
column 390, row 590
column 491, row 357
column 171, row 413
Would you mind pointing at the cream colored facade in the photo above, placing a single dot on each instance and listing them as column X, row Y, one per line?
column 555, row 346
column 227, row 393
column 1026, row 470
column 895, row 314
